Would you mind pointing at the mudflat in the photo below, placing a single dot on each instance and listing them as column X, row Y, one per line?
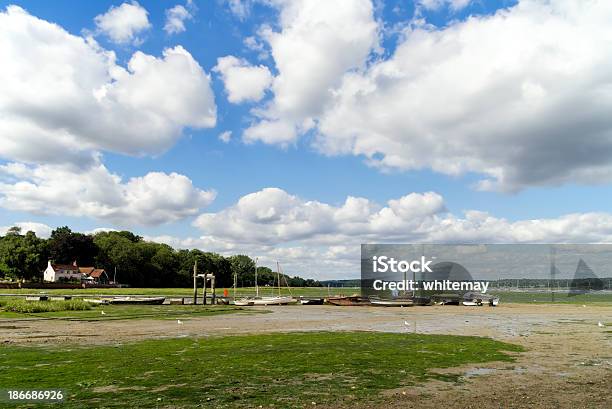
column 567, row 362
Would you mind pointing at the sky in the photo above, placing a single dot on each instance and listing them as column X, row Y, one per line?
column 294, row 130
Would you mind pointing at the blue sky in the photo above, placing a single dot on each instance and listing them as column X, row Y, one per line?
column 302, row 169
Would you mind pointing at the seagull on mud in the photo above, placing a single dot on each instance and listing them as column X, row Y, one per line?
column 600, row 324
column 179, row 322
column 102, row 312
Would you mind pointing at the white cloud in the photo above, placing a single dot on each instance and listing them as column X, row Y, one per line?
column 520, row 97
column 495, row 95
column 42, row 230
column 94, row 192
column 123, row 24
column 225, row 136
column 176, row 17
column 240, row 8
column 82, row 101
column 242, row 81
column 272, row 217
column 318, row 41
column 253, row 44
column 317, row 238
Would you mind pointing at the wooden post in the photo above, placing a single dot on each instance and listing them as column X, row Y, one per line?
column 204, row 288
column 195, row 282
column 213, row 288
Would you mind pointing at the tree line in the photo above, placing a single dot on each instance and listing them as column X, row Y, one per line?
column 137, row 262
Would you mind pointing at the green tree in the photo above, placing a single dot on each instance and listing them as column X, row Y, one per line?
column 65, row 247
column 244, row 268
column 22, row 256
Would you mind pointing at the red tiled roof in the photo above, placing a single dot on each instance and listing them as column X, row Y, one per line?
column 64, row 267
column 86, row 270
column 97, row 273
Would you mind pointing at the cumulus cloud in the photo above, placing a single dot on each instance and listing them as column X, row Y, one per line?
column 317, row 43
column 84, row 102
column 243, row 81
column 95, row 192
column 520, row 97
column 225, row 136
column 41, row 229
column 176, row 17
column 122, row 24
column 322, row 239
column 272, row 217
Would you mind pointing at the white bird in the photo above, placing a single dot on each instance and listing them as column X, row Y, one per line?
column 102, row 312
column 406, row 323
column 600, row 324
column 179, row 322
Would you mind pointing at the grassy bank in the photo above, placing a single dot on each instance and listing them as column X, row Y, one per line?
column 20, row 305
column 51, row 310
column 505, row 296
column 283, row 370
column 188, row 292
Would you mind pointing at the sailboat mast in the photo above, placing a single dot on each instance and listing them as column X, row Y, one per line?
column 278, row 277
column 256, row 286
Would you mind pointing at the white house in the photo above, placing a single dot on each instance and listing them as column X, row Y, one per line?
column 57, row 272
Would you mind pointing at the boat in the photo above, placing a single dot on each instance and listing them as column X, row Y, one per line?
column 477, row 299
column 276, row 300
column 137, row 300
column 273, row 300
column 243, row 302
column 311, row 301
column 446, row 299
column 95, row 301
column 421, row 300
column 353, row 300
column 395, row 302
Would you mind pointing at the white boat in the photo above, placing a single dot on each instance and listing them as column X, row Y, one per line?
column 95, row 301
column 475, row 299
column 243, row 302
column 272, row 300
column 277, row 300
column 396, row 302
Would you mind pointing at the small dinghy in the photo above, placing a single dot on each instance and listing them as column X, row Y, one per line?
column 95, row 301
column 396, row 302
column 138, row 300
column 352, row 301
column 311, row 301
column 477, row 299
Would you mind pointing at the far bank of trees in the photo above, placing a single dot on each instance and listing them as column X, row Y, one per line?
column 137, row 262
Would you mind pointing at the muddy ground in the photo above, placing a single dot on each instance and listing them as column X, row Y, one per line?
column 567, row 363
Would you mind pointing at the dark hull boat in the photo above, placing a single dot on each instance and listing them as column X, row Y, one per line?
column 354, row 300
column 446, row 299
column 311, row 301
column 477, row 299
